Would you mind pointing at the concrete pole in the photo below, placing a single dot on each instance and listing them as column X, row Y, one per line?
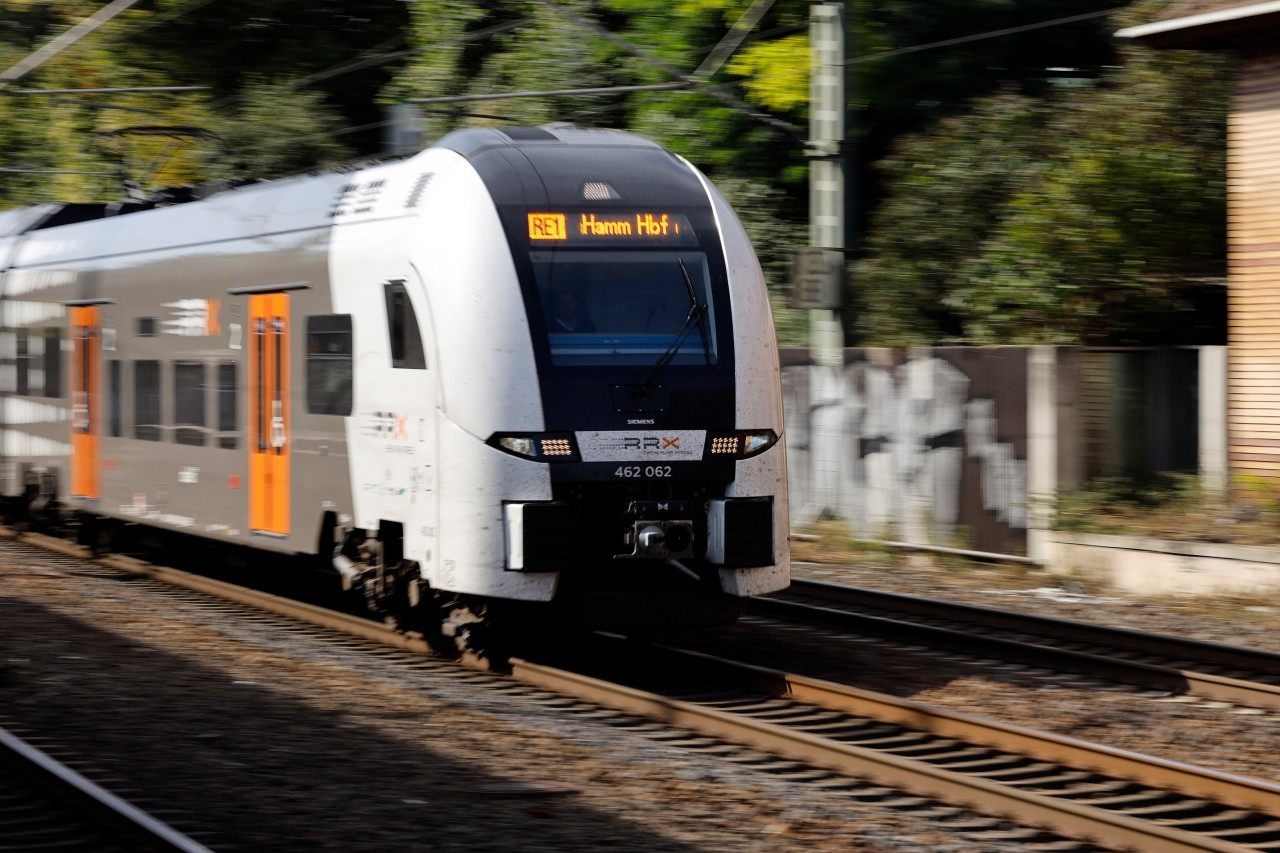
column 826, row 231
column 826, row 164
column 1042, row 450
column 1214, row 466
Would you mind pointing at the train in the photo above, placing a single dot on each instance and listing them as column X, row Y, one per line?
column 523, row 368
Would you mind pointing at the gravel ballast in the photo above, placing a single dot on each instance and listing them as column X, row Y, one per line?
column 248, row 737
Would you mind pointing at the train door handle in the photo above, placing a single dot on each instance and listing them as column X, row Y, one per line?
column 277, row 425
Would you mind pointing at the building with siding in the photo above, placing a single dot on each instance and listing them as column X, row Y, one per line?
column 1252, row 32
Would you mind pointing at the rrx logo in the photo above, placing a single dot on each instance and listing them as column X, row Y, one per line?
column 650, row 442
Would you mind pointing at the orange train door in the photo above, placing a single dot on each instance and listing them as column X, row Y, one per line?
column 85, row 428
column 269, row 413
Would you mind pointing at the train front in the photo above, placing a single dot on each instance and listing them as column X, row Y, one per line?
column 657, row 369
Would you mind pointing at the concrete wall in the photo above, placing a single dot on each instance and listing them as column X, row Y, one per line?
column 968, row 447
column 1142, row 566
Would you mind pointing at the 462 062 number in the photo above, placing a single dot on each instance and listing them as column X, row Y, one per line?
column 653, row 471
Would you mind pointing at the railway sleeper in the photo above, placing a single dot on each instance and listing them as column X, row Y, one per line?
column 1101, row 787
column 1179, row 810
column 1058, row 785
column 1214, row 824
column 1132, row 797
column 1254, row 836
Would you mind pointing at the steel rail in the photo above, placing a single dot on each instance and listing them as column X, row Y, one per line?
column 1257, row 802
column 1220, row 654
column 313, row 614
column 122, row 818
column 1061, row 815
column 1177, row 679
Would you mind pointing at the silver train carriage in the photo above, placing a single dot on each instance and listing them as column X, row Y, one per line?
column 522, row 365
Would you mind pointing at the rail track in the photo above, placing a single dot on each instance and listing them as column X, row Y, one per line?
column 45, row 805
column 1052, row 786
column 1072, row 788
column 1211, row 671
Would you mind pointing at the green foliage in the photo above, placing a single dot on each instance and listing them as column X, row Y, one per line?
column 754, row 202
column 253, row 55
column 992, row 203
column 1079, row 216
column 1172, row 507
column 1118, row 504
column 276, row 130
column 946, row 186
column 776, row 73
column 1258, row 492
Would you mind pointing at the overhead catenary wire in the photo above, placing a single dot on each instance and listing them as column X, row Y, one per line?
column 732, row 40
column 688, row 82
column 881, row 55
column 643, row 53
column 548, row 93
column 716, row 56
column 18, row 171
column 991, row 34
column 112, row 90
column 361, row 61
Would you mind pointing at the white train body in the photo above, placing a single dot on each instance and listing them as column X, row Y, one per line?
column 319, row 363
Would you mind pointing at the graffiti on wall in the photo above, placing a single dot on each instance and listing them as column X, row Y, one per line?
column 926, row 446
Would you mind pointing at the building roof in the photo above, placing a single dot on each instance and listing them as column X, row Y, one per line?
column 1210, row 24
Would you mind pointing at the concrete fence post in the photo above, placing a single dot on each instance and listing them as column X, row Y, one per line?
column 1042, row 449
column 1213, row 420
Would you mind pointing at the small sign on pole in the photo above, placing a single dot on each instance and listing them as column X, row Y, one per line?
column 817, row 278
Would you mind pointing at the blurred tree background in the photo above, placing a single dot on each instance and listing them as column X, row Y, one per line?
column 1038, row 184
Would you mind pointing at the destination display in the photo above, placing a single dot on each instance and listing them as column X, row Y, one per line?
column 585, row 228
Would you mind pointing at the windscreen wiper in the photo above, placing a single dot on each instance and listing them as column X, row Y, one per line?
column 697, row 314
column 702, row 313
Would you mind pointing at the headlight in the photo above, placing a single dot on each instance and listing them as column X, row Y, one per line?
column 542, row 446
column 741, row 444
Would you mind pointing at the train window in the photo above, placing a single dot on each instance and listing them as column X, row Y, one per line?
column 146, row 400
column 53, row 362
column 329, row 364
column 188, row 402
column 625, row 307
column 115, row 415
column 146, row 327
column 22, row 385
column 227, row 426
column 402, row 325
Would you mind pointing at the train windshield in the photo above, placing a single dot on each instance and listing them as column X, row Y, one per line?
column 626, row 307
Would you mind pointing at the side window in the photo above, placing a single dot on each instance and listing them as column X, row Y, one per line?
column 188, row 402
column 23, row 386
column 329, row 364
column 227, row 426
column 114, row 402
column 402, row 326
column 146, row 400
column 53, row 363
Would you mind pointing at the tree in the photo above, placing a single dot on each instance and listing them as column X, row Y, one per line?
column 276, row 130
column 1085, row 215
column 283, row 88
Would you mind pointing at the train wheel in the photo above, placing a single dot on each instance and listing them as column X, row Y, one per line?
column 469, row 628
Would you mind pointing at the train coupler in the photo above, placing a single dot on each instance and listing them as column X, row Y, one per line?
column 659, row 530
